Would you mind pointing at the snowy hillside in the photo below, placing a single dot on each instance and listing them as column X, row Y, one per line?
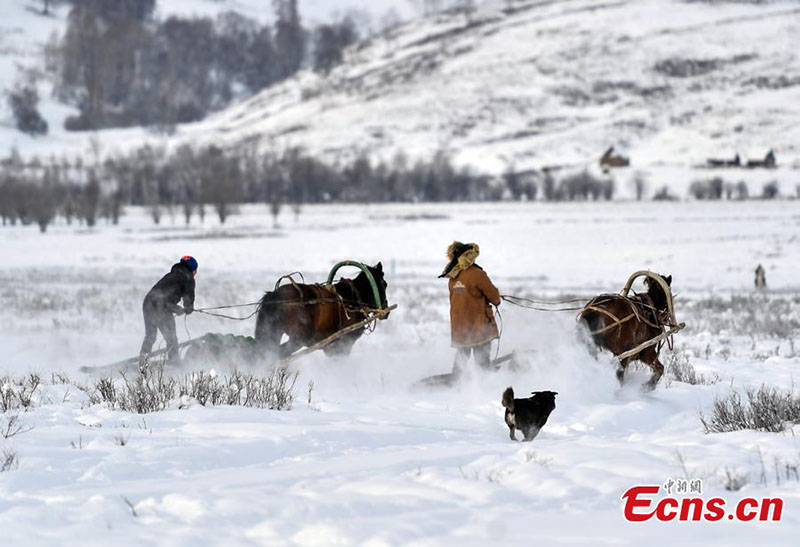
column 549, row 83
column 668, row 82
column 24, row 32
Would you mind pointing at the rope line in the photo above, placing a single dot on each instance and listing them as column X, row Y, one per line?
column 549, row 302
column 347, row 304
column 222, row 315
column 499, row 334
column 529, row 304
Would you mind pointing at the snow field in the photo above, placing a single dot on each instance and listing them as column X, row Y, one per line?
column 371, row 460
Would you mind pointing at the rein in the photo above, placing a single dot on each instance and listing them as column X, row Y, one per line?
column 530, row 304
column 593, row 304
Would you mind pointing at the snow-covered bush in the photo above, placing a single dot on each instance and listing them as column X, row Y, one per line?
column 679, row 368
column 734, row 480
column 16, row 393
column 24, row 104
column 8, row 460
column 770, row 317
column 766, row 409
column 151, row 390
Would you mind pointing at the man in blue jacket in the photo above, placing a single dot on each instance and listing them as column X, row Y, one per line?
column 162, row 302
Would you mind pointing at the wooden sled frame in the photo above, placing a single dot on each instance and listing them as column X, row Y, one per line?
column 658, row 279
column 673, row 324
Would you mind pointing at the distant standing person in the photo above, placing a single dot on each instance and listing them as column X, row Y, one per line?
column 761, row 278
column 161, row 304
column 472, row 324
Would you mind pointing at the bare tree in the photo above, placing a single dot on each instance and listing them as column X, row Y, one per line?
column 44, row 206
column 275, row 210
column 290, row 37
column 23, row 101
column 639, row 185
column 90, row 199
column 219, row 181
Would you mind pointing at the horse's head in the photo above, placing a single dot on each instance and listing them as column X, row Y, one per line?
column 365, row 288
column 656, row 292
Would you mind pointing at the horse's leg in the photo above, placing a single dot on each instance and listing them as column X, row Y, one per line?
column 269, row 328
column 621, row 370
column 341, row 347
column 650, row 356
column 289, row 347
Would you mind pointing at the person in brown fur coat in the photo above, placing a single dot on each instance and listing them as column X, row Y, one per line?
column 472, row 324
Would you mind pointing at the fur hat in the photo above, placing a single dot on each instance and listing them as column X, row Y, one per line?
column 461, row 256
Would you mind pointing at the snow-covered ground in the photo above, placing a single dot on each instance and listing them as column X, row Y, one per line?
column 371, row 461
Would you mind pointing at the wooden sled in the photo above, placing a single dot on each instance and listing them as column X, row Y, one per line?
column 134, row 361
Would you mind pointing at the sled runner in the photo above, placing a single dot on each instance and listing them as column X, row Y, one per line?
column 449, row 379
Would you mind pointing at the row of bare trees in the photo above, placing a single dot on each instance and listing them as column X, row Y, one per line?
column 188, row 181
column 38, row 199
column 716, row 188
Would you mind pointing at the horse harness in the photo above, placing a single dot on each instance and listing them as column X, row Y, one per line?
column 642, row 310
column 344, row 308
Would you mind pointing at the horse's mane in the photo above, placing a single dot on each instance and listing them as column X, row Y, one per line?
column 365, row 289
column 656, row 292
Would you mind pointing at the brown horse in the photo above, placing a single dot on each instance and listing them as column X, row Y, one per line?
column 308, row 314
column 620, row 323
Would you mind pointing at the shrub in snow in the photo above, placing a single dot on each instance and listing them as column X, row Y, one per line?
column 766, row 409
column 771, row 317
column 9, row 460
column 680, row 369
column 151, row 390
column 275, row 391
column 734, row 481
column 663, row 194
column 148, row 391
column 16, row 393
column 11, row 426
column 24, row 104
column 707, row 189
column 770, row 190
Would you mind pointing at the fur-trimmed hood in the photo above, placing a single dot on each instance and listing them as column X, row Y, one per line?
column 460, row 256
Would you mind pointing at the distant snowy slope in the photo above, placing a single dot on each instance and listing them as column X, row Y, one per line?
column 668, row 82
column 548, row 83
column 24, row 31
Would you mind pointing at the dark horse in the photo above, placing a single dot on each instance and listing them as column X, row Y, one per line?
column 308, row 314
column 620, row 323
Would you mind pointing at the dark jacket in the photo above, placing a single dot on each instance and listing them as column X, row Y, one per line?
column 177, row 284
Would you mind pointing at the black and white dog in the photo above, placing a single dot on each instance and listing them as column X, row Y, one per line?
column 528, row 415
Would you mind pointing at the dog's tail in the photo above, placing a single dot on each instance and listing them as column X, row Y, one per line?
column 508, row 398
